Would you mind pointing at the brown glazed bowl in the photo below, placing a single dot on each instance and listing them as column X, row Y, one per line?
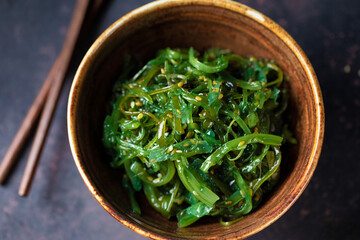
column 202, row 24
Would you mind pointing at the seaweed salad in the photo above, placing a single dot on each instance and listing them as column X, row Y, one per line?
column 199, row 135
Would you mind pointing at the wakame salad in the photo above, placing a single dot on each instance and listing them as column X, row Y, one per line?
column 199, row 135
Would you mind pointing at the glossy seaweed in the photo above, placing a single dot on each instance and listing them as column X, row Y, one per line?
column 198, row 134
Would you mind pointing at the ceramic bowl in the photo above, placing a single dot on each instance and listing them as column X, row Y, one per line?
column 202, row 24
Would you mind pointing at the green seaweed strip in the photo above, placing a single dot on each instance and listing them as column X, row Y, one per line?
column 253, row 164
column 255, row 185
column 153, row 196
column 245, row 192
column 199, row 134
column 221, row 64
column 194, row 186
column 232, row 145
column 140, row 171
column 134, row 204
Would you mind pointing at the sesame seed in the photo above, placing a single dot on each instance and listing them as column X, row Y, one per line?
column 347, row 68
column 162, row 70
column 169, row 149
column 180, row 84
column 256, row 103
column 178, row 111
column 132, row 104
column 173, row 152
column 131, row 86
column 150, row 178
column 263, row 84
column 189, row 134
column 139, row 104
column 153, row 160
column 221, row 96
column 242, row 193
column 251, row 80
column 242, row 143
column 228, row 202
column 192, row 141
column 179, row 151
column 198, row 98
column 200, row 115
column 140, row 116
column 169, row 115
column 205, row 79
column 186, row 144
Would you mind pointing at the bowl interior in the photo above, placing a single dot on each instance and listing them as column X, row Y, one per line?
column 202, row 25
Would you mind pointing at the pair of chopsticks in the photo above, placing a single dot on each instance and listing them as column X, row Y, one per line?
column 45, row 103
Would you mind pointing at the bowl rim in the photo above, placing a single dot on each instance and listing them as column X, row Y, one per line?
column 239, row 9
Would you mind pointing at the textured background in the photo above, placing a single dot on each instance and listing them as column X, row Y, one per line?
column 61, row 207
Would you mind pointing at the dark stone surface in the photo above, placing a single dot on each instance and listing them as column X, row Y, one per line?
column 61, row 207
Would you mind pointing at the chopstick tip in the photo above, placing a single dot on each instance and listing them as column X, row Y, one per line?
column 23, row 192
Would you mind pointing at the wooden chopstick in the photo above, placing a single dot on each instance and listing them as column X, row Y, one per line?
column 61, row 66
column 34, row 111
